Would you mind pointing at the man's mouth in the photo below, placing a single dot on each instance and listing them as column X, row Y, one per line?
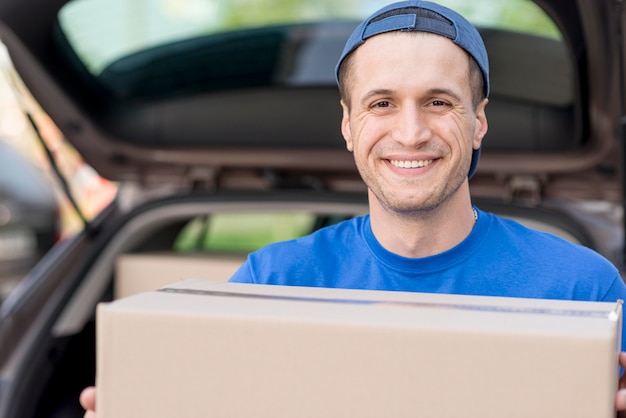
column 411, row 163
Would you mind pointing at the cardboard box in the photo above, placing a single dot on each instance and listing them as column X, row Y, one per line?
column 137, row 273
column 201, row 348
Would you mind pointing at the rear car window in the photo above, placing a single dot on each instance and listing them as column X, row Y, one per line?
column 248, row 231
column 102, row 31
column 241, row 232
column 145, row 57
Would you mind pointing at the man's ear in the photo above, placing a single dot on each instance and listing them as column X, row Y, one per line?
column 345, row 126
column 481, row 124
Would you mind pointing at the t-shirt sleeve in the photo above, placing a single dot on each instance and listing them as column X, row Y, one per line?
column 617, row 291
column 243, row 274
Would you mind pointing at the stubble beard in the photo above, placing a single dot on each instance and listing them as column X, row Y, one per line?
column 412, row 204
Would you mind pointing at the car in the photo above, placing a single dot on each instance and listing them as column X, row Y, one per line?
column 219, row 123
column 29, row 216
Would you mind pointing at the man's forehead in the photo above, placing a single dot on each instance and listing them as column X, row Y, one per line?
column 387, row 61
column 416, row 44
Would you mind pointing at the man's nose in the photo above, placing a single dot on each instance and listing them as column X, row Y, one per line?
column 411, row 126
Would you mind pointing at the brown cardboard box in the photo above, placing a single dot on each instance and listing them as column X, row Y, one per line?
column 136, row 273
column 213, row 349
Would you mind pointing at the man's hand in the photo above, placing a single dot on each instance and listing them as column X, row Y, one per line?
column 88, row 401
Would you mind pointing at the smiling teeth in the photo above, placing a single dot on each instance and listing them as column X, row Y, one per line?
column 411, row 164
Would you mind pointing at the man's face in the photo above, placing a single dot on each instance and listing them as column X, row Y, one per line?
column 411, row 124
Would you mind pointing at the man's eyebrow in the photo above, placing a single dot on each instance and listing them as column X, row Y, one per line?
column 430, row 92
column 376, row 92
column 445, row 92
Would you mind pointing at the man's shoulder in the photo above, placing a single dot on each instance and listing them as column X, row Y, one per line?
column 312, row 260
column 518, row 229
column 541, row 243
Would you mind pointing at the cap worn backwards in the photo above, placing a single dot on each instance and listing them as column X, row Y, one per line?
column 423, row 16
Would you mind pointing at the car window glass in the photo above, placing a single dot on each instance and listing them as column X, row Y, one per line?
column 21, row 178
column 242, row 232
column 102, row 31
column 522, row 16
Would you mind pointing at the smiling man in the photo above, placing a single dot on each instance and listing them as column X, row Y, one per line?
column 414, row 82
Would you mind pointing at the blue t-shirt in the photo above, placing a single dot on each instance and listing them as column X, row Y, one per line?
column 500, row 257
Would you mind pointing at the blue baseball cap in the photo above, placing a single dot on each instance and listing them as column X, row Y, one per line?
column 423, row 16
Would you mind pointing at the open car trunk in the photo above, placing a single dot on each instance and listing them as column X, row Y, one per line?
column 248, row 120
column 265, row 97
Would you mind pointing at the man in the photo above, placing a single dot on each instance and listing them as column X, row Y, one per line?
column 414, row 82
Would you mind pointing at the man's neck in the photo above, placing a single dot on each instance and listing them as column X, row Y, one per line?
column 422, row 233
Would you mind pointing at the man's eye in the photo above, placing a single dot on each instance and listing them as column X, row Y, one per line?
column 438, row 103
column 382, row 103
